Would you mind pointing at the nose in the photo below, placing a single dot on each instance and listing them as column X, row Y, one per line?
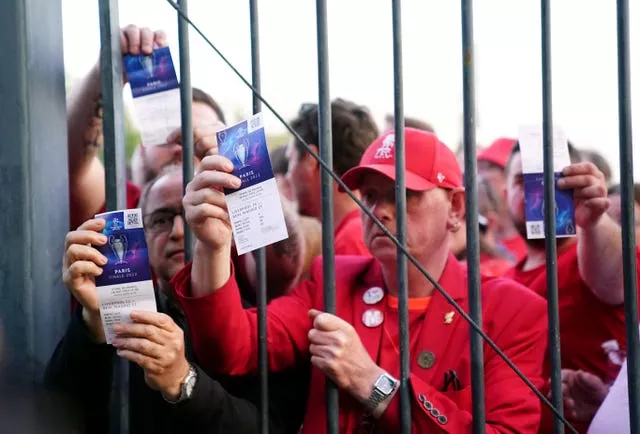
column 177, row 229
column 383, row 210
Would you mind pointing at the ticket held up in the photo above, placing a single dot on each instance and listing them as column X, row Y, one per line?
column 125, row 284
column 531, row 150
column 255, row 209
column 156, row 94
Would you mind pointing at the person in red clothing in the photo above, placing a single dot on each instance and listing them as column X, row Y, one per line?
column 590, row 278
column 494, row 261
column 492, row 162
column 358, row 347
column 353, row 129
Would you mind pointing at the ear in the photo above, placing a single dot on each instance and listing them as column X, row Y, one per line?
column 457, row 211
column 308, row 161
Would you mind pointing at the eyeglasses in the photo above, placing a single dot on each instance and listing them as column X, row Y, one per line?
column 161, row 220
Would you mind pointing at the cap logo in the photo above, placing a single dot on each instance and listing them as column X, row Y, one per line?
column 440, row 177
column 385, row 150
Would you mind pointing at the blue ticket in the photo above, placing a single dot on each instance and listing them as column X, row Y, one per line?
column 126, row 283
column 156, row 94
column 255, row 208
column 531, row 148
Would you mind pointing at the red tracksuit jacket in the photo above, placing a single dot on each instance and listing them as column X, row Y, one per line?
column 225, row 339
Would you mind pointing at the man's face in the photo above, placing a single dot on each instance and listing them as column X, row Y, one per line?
column 615, row 212
column 164, row 226
column 494, row 175
column 427, row 219
column 154, row 158
column 515, row 194
column 302, row 177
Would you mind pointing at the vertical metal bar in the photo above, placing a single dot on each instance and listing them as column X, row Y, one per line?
column 115, row 162
column 261, row 262
column 185, row 111
column 401, row 220
column 113, row 120
column 550, row 217
column 326, row 153
column 628, row 227
column 473, row 242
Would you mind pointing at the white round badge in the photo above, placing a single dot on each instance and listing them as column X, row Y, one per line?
column 372, row 317
column 373, row 295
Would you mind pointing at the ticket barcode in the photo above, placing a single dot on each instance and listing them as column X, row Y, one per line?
column 535, row 230
column 255, row 122
column 133, row 219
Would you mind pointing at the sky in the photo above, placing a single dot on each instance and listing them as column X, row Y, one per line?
column 507, row 60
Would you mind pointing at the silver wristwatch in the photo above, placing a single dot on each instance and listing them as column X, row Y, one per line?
column 384, row 387
column 186, row 389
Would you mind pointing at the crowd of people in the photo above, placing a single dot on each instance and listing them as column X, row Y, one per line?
column 194, row 363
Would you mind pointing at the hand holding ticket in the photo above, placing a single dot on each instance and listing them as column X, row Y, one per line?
column 125, row 282
column 255, row 209
column 156, row 94
column 249, row 203
column 531, row 148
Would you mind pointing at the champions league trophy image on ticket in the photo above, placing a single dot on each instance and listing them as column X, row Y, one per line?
column 147, row 64
column 241, row 152
column 118, row 244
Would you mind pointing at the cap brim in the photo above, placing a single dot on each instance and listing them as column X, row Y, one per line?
column 353, row 177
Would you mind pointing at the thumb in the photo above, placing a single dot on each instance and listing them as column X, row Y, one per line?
column 313, row 313
column 175, row 137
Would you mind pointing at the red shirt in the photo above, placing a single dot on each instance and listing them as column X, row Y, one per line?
column 348, row 236
column 491, row 266
column 517, row 246
column 586, row 323
column 133, row 197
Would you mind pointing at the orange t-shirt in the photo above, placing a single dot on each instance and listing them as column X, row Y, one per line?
column 389, row 357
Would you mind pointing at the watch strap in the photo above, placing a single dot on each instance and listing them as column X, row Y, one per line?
column 377, row 395
column 186, row 389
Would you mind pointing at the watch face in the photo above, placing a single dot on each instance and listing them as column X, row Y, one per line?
column 385, row 384
column 189, row 385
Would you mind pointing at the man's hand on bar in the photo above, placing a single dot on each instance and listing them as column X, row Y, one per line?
column 337, row 350
column 582, row 394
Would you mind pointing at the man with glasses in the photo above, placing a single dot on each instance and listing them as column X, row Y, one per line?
column 178, row 397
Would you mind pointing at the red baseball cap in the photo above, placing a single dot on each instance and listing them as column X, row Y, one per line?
column 429, row 162
column 498, row 152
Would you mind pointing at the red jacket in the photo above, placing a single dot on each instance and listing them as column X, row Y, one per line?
column 225, row 339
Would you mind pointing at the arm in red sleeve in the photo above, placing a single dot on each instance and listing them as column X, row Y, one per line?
column 225, row 336
column 510, row 406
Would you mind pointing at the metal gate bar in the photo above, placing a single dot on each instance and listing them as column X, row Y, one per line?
column 627, row 211
column 549, row 218
column 186, row 102
column 260, row 256
column 115, row 173
column 471, row 207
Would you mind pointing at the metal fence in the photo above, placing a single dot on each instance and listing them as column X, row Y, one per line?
column 115, row 172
